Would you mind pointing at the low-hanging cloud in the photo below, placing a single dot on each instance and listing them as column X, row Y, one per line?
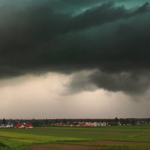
column 79, row 82
column 37, row 37
column 129, row 83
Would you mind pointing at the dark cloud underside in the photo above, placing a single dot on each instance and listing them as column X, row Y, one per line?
column 36, row 38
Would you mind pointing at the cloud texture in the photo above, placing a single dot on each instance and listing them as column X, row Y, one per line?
column 68, row 36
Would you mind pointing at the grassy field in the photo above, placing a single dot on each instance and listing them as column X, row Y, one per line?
column 112, row 137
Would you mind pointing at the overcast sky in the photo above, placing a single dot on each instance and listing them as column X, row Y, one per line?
column 74, row 58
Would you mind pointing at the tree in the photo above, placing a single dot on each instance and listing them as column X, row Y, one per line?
column 116, row 119
column 133, row 122
column 36, row 123
column 4, row 121
column 122, row 121
column 46, row 122
column 64, row 121
column 127, row 121
column 56, row 121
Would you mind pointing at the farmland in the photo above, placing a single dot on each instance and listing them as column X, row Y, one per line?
column 110, row 137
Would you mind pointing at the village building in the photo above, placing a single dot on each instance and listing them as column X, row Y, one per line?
column 29, row 126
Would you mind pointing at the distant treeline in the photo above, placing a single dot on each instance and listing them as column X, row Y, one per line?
column 44, row 122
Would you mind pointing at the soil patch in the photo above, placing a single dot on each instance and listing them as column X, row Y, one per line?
column 92, row 146
column 63, row 147
column 121, row 143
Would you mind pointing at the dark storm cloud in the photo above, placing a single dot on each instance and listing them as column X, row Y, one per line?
column 104, row 13
column 88, row 2
column 80, row 82
column 37, row 37
column 82, row 2
column 129, row 83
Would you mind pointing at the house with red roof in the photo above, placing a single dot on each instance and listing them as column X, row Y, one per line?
column 19, row 126
column 29, row 126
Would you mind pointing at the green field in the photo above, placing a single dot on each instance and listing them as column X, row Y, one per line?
column 112, row 137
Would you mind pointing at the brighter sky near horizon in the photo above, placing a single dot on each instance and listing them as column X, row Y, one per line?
column 43, row 97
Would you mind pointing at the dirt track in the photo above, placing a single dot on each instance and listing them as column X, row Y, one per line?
column 92, row 146
column 121, row 143
column 61, row 147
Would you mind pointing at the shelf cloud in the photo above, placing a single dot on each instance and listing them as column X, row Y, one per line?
column 71, row 36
